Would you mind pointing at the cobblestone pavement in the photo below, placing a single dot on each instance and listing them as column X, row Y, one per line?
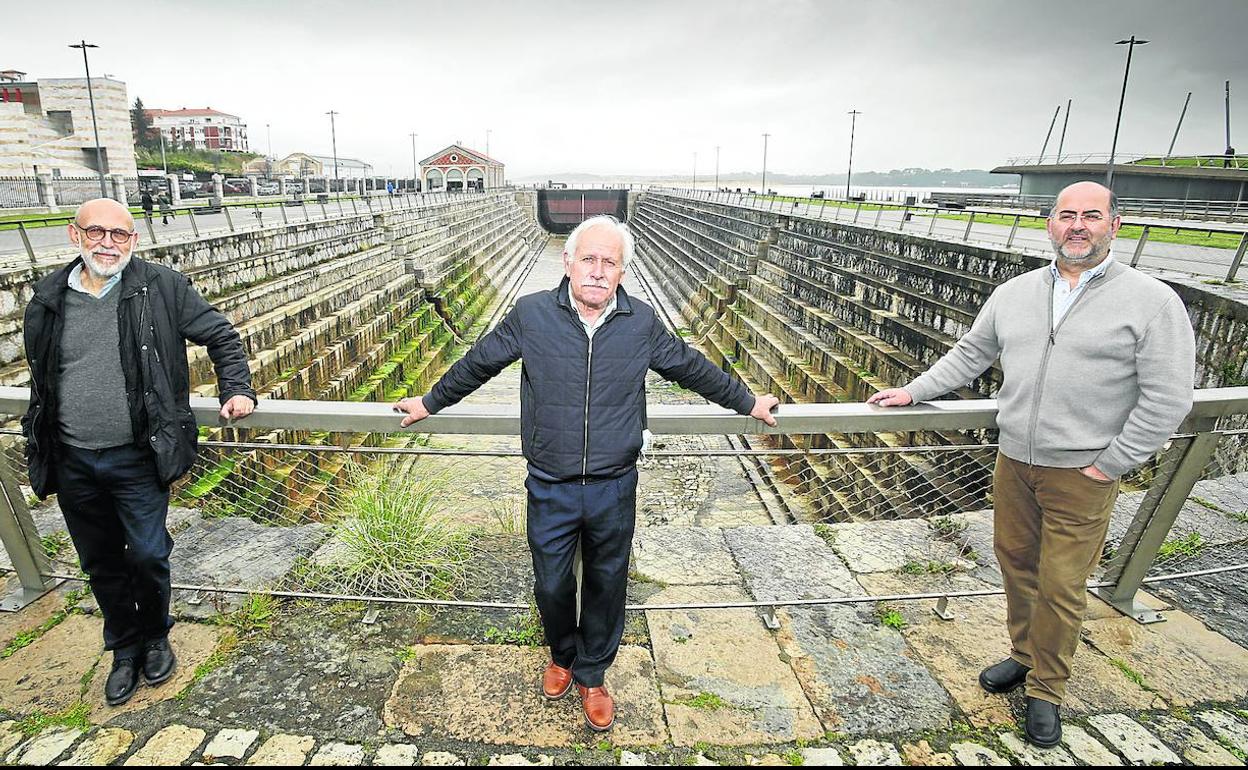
column 309, row 683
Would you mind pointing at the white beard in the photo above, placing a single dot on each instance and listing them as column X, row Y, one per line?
column 101, row 271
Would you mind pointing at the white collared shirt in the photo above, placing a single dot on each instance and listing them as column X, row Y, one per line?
column 1063, row 295
column 75, row 282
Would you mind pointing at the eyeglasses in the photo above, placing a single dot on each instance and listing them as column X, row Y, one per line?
column 1067, row 217
column 95, row 233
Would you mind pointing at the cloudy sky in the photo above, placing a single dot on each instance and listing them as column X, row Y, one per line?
column 638, row 87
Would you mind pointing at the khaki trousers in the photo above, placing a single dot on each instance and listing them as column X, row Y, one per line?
column 1049, row 531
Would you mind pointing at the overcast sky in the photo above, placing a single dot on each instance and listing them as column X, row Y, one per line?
column 638, row 87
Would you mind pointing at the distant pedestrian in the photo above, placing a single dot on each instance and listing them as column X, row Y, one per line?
column 166, row 209
column 147, row 204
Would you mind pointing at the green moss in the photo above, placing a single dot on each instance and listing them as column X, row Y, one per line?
column 890, row 617
column 1188, row 546
column 76, row 716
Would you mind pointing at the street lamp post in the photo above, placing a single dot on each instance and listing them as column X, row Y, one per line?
column 1113, row 149
column 99, row 152
column 487, row 142
column 849, row 174
column 415, row 176
column 765, row 137
column 695, row 171
column 333, row 136
column 717, row 167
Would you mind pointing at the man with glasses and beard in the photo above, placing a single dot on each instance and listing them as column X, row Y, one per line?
column 1098, row 361
column 109, row 426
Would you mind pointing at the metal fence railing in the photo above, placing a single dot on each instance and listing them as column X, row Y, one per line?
column 1157, row 208
column 18, row 191
column 73, row 190
column 1208, row 251
column 370, row 512
column 1134, row 158
column 29, row 240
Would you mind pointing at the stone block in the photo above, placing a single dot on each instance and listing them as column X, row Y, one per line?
column 173, row 745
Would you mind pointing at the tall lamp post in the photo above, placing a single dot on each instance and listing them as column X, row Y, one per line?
column 415, row 176
column 717, row 167
column 695, row 171
column 333, row 137
column 1130, row 43
column 765, row 137
column 849, row 174
column 99, row 152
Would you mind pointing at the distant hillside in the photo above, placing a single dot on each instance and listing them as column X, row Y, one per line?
column 909, row 177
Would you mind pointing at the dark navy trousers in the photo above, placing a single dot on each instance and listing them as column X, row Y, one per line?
column 601, row 516
column 115, row 508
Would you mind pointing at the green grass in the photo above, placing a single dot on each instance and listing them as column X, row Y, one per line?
column 890, row 617
column 1130, row 673
column 946, row 528
column 526, row 632
column 707, row 701
column 1240, row 516
column 253, row 616
column 928, row 568
column 76, row 716
column 1188, row 546
column 794, row 757
column 220, row 656
column 1187, row 161
column 396, row 538
column 826, row 533
column 53, row 543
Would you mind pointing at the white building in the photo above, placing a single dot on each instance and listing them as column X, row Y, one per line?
column 205, row 129
column 45, row 126
column 302, row 164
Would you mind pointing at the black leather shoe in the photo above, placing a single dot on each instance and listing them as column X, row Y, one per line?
column 1044, row 724
column 123, row 680
column 1003, row 677
column 158, row 661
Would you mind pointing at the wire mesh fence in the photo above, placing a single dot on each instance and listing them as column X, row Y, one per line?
column 443, row 518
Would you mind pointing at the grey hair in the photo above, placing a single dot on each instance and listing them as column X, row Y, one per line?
column 603, row 220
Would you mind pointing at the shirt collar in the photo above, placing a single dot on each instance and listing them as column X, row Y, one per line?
column 1086, row 275
column 605, row 311
column 75, row 281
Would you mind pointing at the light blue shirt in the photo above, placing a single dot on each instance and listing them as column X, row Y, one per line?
column 591, row 328
column 75, row 282
column 1063, row 295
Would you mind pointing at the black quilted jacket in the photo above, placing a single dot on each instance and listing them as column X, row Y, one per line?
column 583, row 405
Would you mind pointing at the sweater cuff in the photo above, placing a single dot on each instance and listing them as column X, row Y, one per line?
column 1113, row 463
column 918, row 392
column 747, row 404
column 432, row 405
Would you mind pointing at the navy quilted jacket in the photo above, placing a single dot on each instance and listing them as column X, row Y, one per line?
column 583, row 406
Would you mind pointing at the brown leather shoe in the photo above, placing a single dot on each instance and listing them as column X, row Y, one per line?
column 598, row 706
column 556, row 681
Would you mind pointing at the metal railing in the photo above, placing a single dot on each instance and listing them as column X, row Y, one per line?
column 823, row 502
column 175, row 224
column 1208, row 251
column 18, row 191
column 1157, row 208
column 1136, row 159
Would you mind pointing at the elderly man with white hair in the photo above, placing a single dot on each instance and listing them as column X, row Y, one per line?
column 586, row 347
column 109, row 426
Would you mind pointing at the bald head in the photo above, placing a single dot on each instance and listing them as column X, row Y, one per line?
column 1089, row 191
column 104, row 212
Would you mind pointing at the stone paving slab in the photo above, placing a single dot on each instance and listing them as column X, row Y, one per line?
column 1138, row 745
column 490, row 694
column 173, row 745
column 336, row 754
column 45, row 747
column 922, row 753
column 974, row 755
column 976, row 533
column 396, row 755
column 1086, row 748
column 1034, row 756
column 47, row 675
column 236, row 552
column 884, row 546
column 859, row 675
column 10, row 736
column 684, row 556
column 1181, row 659
column 1194, row 745
column 102, row 748
column 283, row 749
column 192, row 643
column 230, row 744
column 789, row 563
column 873, row 752
column 722, row 675
column 1219, row 600
column 1227, row 727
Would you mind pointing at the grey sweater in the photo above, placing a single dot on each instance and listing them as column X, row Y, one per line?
column 1107, row 387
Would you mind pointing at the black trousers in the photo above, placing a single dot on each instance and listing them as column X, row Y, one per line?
column 601, row 516
column 115, row 508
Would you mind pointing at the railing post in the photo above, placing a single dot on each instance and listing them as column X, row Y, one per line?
column 303, row 204
column 21, row 541
column 1013, row 232
column 324, row 211
column 190, row 212
column 1139, row 247
column 966, row 236
column 281, row 206
column 229, row 220
column 151, row 231
column 857, row 211
column 931, row 228
column 1178, row 470
column 1239, row 258
column 905, row 214
column 30, row 250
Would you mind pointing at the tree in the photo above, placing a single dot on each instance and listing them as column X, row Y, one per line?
column 141, row 125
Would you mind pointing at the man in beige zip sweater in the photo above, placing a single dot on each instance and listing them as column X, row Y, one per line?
column 1098, row 362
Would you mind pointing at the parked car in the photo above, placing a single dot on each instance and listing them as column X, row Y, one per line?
column 270, row 188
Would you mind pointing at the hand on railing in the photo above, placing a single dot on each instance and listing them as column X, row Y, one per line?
column 413, row 408
column 891, row 397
